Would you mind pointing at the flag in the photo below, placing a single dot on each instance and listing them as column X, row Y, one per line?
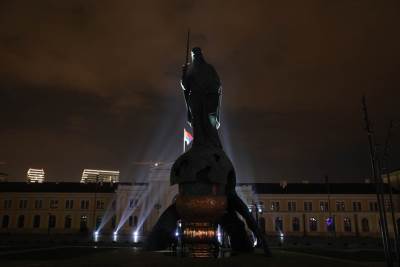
column 187, row 137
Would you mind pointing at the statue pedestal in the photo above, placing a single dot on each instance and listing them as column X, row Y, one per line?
column 198, row 225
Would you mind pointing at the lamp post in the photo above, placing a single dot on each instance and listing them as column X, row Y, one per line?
column 378, row 185
column 385, row 167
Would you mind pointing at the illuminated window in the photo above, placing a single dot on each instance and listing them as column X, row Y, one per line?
column 250, row 207
column 52, row 221
column 278, row 224
column 38, row 204
column 313, row 224
column 23, row 204
column 347, row 224
column 260, row 207
column 373, row 206
column 330, row 224
column 307, row 206
column 324, row 205
column 36, row 221
column 54, row 204
column 275, row 205
column 84, row 204
column 68, row 222
column 99, row 204
column 340, row 206
column 7, row 204
column 388, row 205
column 21, row 221
column 5, row 222
column 365, row 225
column 296, row 224
column 291, row 206
column 83, row 223
column 98, row 222
column 356, row 206
column 69, row 204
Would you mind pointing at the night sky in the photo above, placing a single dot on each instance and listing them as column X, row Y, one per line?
column 95, row 84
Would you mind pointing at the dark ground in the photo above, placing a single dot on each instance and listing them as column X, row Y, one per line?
column 61, row 256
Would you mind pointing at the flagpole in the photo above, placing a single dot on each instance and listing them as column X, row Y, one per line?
column 183, row 140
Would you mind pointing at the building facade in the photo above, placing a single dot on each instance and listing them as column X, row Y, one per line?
column 35, row 176
column 345, row 209
column 99, row 176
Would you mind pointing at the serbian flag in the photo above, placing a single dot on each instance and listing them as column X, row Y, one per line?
column 187, row 137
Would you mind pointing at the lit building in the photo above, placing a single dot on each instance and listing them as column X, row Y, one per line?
column 394, row 178
column 292, row 209
column 319, row 209
column 35, row 176
column 99, row 176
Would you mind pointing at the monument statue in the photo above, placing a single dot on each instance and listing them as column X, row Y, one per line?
column 205, row 175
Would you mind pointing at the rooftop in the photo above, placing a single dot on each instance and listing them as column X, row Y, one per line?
column 318, row 188
column 57, row 187
column 259, row 188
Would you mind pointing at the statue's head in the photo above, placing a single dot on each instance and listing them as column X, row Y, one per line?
column 197, row 55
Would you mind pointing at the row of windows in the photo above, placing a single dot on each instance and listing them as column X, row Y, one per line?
column 51, row 223
column 313, row 224
column 324, row 206
column 53, row 204
column 69, row 204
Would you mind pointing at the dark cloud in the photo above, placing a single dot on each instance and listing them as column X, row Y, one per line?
column 95, row 83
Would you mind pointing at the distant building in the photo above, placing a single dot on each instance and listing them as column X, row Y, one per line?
column 99, row 176
column 35, row 176
column 394, row 178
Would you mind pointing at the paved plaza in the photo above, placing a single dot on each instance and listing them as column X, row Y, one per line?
column 60, row 256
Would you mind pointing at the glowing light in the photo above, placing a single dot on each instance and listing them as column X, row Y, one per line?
column 115, row 236
column 255, row 242
column 136, row 236
column 250, row 210
column 259, row 210
column 281, row 237
column 196, row 233
column 115, row 233
column 96, row 236
column 219, row 234
column 156, row 164
column 329, row 221
column 176, row 232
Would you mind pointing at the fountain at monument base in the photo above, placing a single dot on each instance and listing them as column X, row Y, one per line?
column 199, row 240
column 198, row 228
